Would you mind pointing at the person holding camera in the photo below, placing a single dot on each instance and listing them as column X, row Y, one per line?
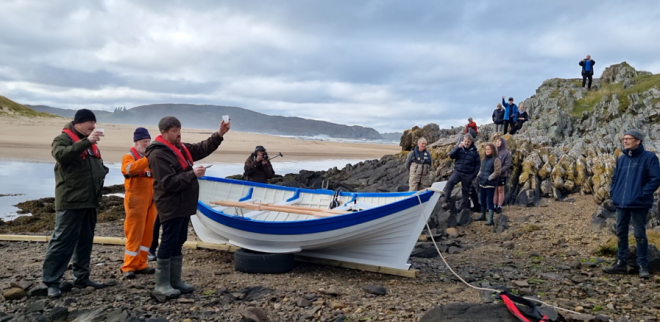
column 587, row 70
column 257, row 167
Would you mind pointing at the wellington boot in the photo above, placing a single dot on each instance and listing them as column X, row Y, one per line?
column 490, row 218
column 482, row 217
column 163, row 286
column 175, row 276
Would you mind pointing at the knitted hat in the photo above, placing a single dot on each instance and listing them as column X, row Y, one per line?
column 140, row 134
column 259, row 148
column 84, row 115
column 636, row 134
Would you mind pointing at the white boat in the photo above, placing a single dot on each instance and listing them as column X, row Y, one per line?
column 378, row 229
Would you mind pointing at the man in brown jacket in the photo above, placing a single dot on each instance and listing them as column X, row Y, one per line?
column 176, row 191
column 257, row 167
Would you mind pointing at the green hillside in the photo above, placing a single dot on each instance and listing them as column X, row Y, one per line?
column 11, row 108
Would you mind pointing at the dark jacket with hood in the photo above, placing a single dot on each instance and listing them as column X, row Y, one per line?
column 636, row 178
column 468, row 160
column 176, row 190
column 498, row 116
column 78, row 181
column 505, row 158
column 256, row 171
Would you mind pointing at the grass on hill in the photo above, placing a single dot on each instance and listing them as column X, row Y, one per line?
column 9, row 107
column 642, row 84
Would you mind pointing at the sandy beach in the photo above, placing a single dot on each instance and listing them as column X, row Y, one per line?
column 29, row 139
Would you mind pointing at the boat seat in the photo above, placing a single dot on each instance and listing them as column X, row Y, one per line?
column 256, row 213
column 355, row 206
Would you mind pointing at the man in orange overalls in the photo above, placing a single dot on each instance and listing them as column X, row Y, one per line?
column 139, row 205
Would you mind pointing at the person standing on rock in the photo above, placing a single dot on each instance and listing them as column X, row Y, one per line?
column 257, row 166
column 79, row 177
column 471, row 128
column 510, row 113
column 505, row 161
column 587, row 70
column 176, row 191
column 465, row 171
column 635, row 179
column 488, row 178
column 498, row 118
column 419, row 163
column 139, row 206
column 521, row 119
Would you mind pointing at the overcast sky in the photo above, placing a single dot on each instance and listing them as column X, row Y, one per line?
column 382, row 64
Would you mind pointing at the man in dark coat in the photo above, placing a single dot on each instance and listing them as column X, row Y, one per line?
column 79, row 177
column 176, row 192
column 587, row 70
column 466, row 167
column 257, row 166
column 498, row 118
column 636, row 178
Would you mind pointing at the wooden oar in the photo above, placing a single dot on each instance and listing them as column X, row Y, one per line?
column 248, row 205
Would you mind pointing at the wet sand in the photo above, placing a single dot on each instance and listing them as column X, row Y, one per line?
column 29, row 139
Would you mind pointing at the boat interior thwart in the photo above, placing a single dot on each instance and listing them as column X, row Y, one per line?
column 378, row 229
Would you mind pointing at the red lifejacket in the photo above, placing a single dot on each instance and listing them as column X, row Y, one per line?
column 93, row 151
column 185, row 161
column 137, row 156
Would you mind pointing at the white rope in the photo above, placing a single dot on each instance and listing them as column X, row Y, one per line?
column 426, row 220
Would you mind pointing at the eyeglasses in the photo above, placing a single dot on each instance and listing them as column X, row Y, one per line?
column 628, row 139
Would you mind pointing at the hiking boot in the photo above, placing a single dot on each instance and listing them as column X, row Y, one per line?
column 176, row 264
column 482, row 217
column 644, row 273
column 499, row 209
column 54, row 292
column 163, row 286
column 87, row 282
column 129, row 275
column 147, row 270
column 151, row 257
column 490, row 218
column 445, row 205
column 618, row 268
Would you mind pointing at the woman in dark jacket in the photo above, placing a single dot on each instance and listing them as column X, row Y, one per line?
column 488, row 177
column 522, row 118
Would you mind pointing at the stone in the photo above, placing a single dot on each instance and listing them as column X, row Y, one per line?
column 653, row 256
column 14, row 294
column 160, row 298
column 185, row 300
column 66, row 287
column 41, row 290
column 330, row 291
column 424, row 253
column 36, row 306
column 337, row 305
column 303, row 302
column 374, row 289
column 452, row 232
column 117, row 315
column 575, row 265
column 467, row 312
column 58, row 314
column 24, row 285
column 521, row 283
column 254, row 314
column 578, row 279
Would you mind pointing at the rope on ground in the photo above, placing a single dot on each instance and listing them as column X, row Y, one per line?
column 426, row 221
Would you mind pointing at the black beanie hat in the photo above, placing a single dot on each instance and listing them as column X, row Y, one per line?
column 84, row 115
column 259, row 148
column 140, row 134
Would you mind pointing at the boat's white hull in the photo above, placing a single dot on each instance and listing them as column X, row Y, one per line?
column 386, row 241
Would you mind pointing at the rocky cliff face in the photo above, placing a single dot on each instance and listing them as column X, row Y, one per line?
column 570, row 144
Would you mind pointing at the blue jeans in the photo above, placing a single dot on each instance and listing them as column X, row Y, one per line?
column 639, row 221
column 486, row 195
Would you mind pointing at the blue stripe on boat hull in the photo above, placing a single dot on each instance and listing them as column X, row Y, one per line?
column 313, row 225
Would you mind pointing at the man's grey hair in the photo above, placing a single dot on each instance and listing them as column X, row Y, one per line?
column 469, row 137
column 420, row 140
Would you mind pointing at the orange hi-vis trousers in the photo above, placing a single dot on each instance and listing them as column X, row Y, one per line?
column 140, row 211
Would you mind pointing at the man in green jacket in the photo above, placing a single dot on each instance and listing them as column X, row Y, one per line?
column 79, row 176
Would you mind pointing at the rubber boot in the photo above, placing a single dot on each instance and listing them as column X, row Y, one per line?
column 163, row 286
column 175, row 276
column 490, row 218
column 483, row 216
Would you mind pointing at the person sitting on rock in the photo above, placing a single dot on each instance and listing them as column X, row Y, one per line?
column 419, row 163
column 635, row 179
column 471, row 128
column 587, row 70
column 466, row 168
column 488, row 177
column 257, row 166
column 510, row 113
column 505, row 160
column 522, row 118
column 498, row 118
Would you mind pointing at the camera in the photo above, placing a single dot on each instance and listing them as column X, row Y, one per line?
column 265, row 155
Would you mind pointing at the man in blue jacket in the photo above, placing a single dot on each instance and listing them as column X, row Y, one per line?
column 510, row 113
column 587, row 70
column 636, row 178
column 466, row 168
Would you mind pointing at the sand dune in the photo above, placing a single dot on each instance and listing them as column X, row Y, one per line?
column 29, row 139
